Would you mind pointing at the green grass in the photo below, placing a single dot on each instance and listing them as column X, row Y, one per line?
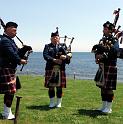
column 81, row 98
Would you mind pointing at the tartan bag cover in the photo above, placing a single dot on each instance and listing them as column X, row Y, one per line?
column 7, row 80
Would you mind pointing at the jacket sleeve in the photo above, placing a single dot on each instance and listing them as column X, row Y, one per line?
column 46, row 55
column 114, row 50
column 10, row 52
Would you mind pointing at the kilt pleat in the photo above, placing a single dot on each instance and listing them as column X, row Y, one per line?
column 107, row 77
column 48, row 74
column 7, row 80
column 110, row 77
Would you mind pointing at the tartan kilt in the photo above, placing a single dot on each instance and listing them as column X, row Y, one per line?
column 62, row 78
column 7, row 80
column 107, row 77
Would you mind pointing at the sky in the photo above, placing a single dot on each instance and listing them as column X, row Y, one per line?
column 81, row 19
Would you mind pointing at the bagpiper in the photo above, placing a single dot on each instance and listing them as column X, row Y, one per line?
column 56, row 56
column 106, row 58
column 9, row 59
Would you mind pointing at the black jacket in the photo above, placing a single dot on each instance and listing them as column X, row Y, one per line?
column 51, row 52
column 8, row 52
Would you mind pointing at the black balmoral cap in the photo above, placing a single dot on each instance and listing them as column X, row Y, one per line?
column 109, row 25
column 55, row 33
column 11, row 24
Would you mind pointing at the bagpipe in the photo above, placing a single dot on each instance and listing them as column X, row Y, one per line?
column 64, row 46
column 23, row 52
column 68, row 48
column 67, row 43
column 103, row 49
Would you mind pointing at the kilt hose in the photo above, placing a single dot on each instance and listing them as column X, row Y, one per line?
column 106, row 76
column 48, row 76
column 7, row 81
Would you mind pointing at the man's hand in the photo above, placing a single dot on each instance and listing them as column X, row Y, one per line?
column 23, row 61
column 69, row 55
column 63, row 57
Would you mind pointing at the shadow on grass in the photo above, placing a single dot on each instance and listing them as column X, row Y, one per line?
column 1, row 117
column 43, row 107
column 91, row 113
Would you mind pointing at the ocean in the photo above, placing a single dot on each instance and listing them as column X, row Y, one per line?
column 82, row 66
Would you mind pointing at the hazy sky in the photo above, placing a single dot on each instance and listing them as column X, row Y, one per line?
column 82, row 19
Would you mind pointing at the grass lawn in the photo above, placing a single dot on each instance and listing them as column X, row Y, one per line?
column 81, row 98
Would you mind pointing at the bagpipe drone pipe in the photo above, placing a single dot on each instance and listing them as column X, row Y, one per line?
column 65, row 45
column 67, row 48
column 118, row 33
